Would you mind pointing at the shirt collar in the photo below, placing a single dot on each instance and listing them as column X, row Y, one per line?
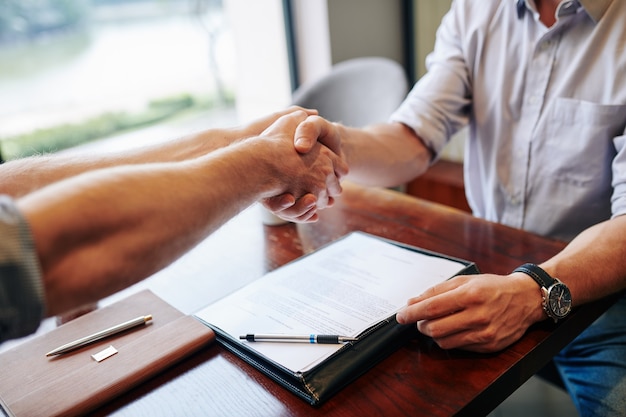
column 594, row 8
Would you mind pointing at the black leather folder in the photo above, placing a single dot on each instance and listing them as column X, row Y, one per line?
column 317, row 384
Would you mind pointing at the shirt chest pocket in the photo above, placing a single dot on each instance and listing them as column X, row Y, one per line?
column 575, row 142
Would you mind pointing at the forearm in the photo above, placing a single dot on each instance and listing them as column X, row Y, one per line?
column 102, row 231
column 22, row 176
column 384, row 155
column 19, row 177
column 593, row 265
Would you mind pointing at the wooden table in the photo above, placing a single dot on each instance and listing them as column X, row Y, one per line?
column 420, row 379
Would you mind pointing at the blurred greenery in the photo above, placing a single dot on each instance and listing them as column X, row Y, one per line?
column 21, row 60
column 67, row 135
column 36, row 34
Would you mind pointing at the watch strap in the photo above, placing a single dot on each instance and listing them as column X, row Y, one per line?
column 537, row 273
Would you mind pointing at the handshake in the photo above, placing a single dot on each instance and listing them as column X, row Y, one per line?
column 303, row 160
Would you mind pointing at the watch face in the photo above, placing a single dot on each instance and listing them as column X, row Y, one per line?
column 559, row 300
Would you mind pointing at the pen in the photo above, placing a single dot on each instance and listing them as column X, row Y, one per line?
column 311, row 338
column 100, row 335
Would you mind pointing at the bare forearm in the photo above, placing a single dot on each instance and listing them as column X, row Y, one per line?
column 593, row 265
column 384, row 155
column 22, row 176
column 98, row 233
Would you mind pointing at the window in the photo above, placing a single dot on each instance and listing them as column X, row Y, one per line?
column 76, row 70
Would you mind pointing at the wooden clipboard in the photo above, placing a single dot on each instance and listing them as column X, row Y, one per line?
column 74, row 383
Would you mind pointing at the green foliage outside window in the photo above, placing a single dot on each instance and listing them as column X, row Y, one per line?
column 65, row 136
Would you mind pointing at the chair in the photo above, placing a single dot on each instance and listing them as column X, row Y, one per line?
column 356, row 92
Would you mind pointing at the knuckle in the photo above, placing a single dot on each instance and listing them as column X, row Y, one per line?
column 487, row 336
column 474, row 294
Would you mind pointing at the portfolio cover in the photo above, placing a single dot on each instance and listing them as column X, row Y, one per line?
column 316, row 372
column 73, row 383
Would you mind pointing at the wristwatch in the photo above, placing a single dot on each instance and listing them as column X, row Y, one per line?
column 556, row 297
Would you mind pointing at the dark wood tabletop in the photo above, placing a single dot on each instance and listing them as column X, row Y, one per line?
column 419, row 379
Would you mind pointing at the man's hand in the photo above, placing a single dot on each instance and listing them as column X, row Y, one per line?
column 312, row 177
column 481, row 313
column 310, row 134
column 316, row 129
column 258, row 126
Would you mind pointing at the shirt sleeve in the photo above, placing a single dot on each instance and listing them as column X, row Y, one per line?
column 22, row 304
column 439, row 103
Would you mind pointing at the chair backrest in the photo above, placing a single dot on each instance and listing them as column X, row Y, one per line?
column 356, row 92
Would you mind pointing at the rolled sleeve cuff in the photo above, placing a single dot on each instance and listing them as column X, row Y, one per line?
column 425, row 133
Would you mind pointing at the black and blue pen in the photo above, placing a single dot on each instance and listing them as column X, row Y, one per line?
column 311, row 338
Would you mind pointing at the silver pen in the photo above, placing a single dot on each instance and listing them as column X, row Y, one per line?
column 100, row 335
column 311, row 338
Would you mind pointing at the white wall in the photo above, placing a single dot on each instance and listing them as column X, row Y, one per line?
column 312, row 36
column 428, row 15
column 366, row 28
column 263, row 80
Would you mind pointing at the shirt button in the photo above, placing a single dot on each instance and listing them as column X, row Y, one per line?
column 567, row 8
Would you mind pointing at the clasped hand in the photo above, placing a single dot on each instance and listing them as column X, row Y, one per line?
column 313, row 138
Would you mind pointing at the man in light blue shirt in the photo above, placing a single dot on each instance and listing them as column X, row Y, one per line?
column 547, row 100
column 542, row 86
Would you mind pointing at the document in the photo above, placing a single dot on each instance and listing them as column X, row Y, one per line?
column 343, row 289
